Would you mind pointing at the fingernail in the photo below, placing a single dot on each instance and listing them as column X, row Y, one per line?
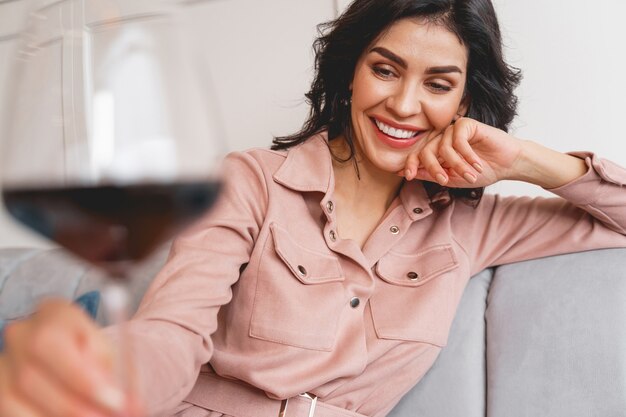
column 408, row 174
column 441, row 179
column 478, row 167
column 469, row 177
column 111, row 398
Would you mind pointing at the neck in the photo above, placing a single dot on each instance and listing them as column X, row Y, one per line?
column 370, row 187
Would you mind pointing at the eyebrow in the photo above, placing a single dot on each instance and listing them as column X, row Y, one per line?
column 431, row 70
column 444, row 70
column 390, row 56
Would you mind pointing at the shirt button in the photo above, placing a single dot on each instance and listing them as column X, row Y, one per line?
column 330, row 206
column 333, row 235
column 354, row 302
column 473, row 194
column 418, row 210
column 394, row 229
column 413, row 276
column 302, row 270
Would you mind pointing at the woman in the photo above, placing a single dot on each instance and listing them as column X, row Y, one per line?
column 334, row 264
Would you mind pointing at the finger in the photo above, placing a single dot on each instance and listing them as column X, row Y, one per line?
column 423, row 175
column 55, row 351
column 45, row 395
column 461, row 142
column 428, row 160
column 11, row 407
column 411, row 166
column 88, row 336
column 453, row 159
column 65, row 345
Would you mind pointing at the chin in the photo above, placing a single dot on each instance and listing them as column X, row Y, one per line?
column 391, row 164
column 384, row 158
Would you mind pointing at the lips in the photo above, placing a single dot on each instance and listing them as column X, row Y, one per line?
column 398, row 137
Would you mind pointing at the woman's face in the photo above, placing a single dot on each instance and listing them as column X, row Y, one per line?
column 407, row 85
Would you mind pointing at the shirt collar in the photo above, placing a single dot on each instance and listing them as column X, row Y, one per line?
column 308, row 167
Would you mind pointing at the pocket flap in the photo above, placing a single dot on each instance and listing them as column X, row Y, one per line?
column 309, row 266
column 416, row 269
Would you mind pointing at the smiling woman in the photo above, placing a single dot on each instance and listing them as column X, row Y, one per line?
column 333, row 264
column 402, row 94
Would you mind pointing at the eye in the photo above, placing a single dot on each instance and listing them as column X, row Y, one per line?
column 383, row 72
column 439, row 87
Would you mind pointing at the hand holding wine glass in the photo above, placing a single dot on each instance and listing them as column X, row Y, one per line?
column 58, row 363
column 112, row 146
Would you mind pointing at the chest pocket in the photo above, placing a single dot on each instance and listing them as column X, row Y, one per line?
column 299, row 294
column 413, row 298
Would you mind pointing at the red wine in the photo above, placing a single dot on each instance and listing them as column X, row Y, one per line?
column 111, row 225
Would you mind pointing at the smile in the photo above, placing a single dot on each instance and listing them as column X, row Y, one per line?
column 394, row 132
column 396, row 137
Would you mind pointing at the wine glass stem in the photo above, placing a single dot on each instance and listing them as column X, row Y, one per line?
column 116, row 304
column 115, row 297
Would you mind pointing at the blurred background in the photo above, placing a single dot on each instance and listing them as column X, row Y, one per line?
column 572, row 97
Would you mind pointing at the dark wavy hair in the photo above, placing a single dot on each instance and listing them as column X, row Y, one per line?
column 490, row 81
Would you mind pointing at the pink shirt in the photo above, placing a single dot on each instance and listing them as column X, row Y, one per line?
column 265, row 288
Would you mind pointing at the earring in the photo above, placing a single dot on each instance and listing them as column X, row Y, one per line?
column 346, row 102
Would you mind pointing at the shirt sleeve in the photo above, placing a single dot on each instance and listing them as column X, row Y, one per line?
column 591, row 214
column 170, row 335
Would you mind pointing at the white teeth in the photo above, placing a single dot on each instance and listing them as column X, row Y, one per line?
column 396, row 133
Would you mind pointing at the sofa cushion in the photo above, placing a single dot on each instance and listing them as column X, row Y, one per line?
column 89, row 302
column 555, row 336
column 29, row 275
column 33, row 275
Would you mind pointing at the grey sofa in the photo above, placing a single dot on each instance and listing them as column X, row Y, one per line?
column 539, row 338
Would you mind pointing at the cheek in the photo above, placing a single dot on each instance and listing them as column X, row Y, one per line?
column 441, row 113
column 366, row 92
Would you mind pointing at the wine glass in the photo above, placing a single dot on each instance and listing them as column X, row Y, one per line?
column 112, row 140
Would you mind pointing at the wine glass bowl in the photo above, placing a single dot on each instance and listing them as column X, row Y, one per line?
column 113, row 140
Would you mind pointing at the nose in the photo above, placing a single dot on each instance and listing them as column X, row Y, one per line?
column 405, row 101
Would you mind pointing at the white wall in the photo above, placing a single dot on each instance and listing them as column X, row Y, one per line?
column 12, row 15
column 573, row 95
column 571, row 98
